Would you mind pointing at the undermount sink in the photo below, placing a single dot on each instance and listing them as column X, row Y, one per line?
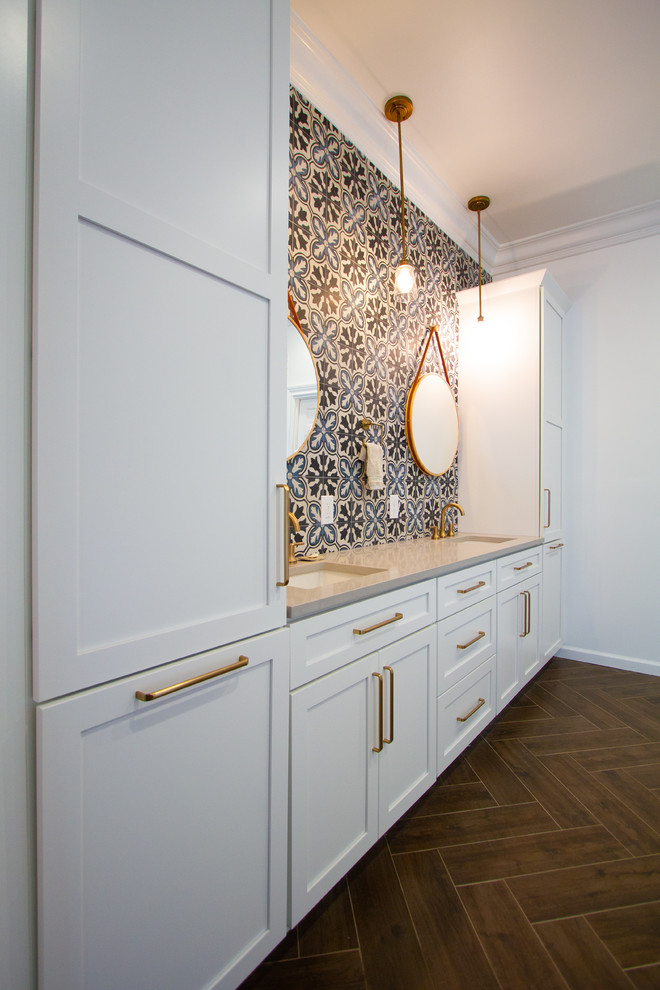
column 474, row 538
column 321, row 573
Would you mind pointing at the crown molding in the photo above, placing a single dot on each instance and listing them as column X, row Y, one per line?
column 579, row 238
column 323, row 81
column 326, row 84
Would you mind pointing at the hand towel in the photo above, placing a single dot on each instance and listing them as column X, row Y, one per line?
column 372, row 455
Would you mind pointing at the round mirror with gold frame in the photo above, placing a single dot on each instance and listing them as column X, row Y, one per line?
column 432, row 418
column 302, row 385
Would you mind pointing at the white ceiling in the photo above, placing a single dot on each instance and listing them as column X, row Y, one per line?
column 550, row 108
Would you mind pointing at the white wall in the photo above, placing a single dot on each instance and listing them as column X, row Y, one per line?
column 17, row 955
column 612, row 417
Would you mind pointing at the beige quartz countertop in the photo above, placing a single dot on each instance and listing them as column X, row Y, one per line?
column 385, row 567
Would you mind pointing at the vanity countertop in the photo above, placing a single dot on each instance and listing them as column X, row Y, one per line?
column 388, row 566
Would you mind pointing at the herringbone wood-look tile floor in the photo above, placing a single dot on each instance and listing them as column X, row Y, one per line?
column 534, row 862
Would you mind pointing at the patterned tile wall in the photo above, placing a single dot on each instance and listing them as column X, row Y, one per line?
column 344, row 243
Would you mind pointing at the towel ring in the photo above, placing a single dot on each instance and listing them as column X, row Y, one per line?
column 366, row 423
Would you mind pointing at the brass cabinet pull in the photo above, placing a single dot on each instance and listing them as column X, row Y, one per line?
column 527, row 613
column 377, row 749
column 530, row 563
column 464, row 718
column 464, row 646
column 283, row 584
column 379, row 625
column 555, row 546
column 154, row 695
column 391, row 739
column 547, row 525
column 465, row 591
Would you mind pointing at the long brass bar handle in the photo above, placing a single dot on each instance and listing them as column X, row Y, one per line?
column 377, row 749
column 556, row 546
column 464, row 646
column 523, row 595
column 529, row 612
column 283, row 584
column 391, row 739
column 547, row 525
column 465, row 591
column 530, row 563
column 154, row 695
column 379, row 625
column 464, row 718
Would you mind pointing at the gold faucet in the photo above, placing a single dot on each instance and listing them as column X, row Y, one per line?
column 292, row 546
column 448, row 530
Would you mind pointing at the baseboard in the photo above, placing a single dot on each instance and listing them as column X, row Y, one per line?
column 636, row 664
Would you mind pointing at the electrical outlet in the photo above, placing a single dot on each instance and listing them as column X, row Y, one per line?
column 394, row 506
column 327, row 508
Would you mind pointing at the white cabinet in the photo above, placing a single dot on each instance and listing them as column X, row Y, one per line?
column 551, row 638
column 363, row 749
column 160, row 320
column 519, row 622
column 162, row 825
column 510, row 406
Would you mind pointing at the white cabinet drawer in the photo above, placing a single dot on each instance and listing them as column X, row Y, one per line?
column 518, row 566
column 465, row 587
column 324, row 642
column 464, row 641
column 464, row 711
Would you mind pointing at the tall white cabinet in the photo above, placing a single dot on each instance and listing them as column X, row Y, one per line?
column 510, row 406
column 159, row 429
column 511, row 412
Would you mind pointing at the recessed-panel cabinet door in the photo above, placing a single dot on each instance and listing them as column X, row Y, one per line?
column 159, row 370
column 162, row 826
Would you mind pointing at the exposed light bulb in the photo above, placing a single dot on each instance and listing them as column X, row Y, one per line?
column 404, row 279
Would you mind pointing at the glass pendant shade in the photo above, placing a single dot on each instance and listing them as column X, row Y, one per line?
column 404, row 279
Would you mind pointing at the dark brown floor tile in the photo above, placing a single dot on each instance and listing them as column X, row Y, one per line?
column 564, row 693
column 580, row 742
column 580, row 956
column 638, row 798
column 645, row 979
column 458, row 797
column 648, row 776
column 539, row 728
column 584, row 889
column 496, row 859
column 515, row 953
column 502, row 783
column 339, row 971
column 638, row 686
column 330, row 926
column 566, row 809
column 648, row 707
column 645, row 721
column 631, row 934
column 523, row 713
column 287, row 949
column 550, row 697
column 439, row 831
column 607, row 805
column 447, row 938
column 458, row 772
column 628, row 755
column 380, row 908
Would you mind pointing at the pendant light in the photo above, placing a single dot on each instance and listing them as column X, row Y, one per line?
column 399, row 108
column 477, row 204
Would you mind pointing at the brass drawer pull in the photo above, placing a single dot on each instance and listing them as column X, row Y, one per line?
column 284, row 583
column 465, row 591
column 379, row 625
column 555, row 546
column 391, row 739
column 377, row 749
column 154, row 695
column 464, row 718
column 530, row 563
column 464, row 646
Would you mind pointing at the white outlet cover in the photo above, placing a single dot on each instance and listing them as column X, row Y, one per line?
column 327, row 508
column 394, row 506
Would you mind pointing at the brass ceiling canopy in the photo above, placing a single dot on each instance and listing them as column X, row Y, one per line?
column 400, row 108
column 477, row 204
